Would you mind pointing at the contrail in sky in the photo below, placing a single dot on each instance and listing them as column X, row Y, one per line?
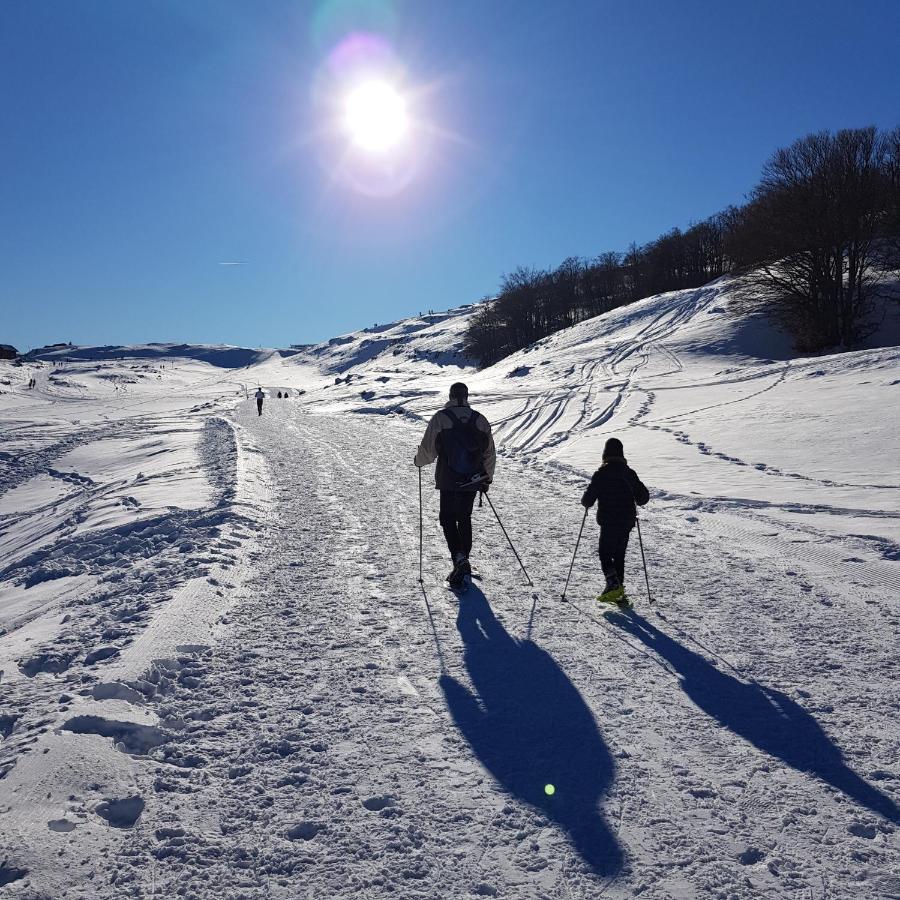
column 233, row 263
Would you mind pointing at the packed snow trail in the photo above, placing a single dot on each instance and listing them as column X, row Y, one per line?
column 358, row 735
column 332, row 761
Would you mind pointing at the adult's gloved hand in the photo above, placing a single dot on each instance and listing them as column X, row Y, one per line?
column 585, row 504
column 484, row 485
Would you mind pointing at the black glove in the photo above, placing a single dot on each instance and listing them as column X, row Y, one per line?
column 585, row 504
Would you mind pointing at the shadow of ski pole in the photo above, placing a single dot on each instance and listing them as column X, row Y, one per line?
column 434, row 633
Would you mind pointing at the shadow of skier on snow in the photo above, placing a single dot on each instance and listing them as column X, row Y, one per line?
column 530, row 728
column 767, row 718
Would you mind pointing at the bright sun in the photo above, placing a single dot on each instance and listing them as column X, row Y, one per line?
column 375, row 116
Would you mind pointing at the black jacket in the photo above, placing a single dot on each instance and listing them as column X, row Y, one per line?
column 617, row 491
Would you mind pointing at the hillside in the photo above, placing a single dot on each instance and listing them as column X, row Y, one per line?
column 222, row 678
column 710, row 398
column 220, row 355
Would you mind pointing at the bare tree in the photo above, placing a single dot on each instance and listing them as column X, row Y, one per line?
column 815, row 222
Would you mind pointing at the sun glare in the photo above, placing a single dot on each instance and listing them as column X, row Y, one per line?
column 375, row 116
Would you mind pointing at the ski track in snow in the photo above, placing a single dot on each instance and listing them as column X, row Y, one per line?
column 251, row 696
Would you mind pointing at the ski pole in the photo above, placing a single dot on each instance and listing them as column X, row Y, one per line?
column 511, row 547
column 580, row 530
column 421, row 581
column 644, row 558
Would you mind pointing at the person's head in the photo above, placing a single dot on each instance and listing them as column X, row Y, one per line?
column 613, row 449
column 459, row 393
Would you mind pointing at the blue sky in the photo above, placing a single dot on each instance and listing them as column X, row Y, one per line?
column 143, row 144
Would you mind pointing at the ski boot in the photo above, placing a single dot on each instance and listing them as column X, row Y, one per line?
column 614, row 593
column 461, row 570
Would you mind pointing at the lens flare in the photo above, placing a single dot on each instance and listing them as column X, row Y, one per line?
column 375, row 116
column 549, row 790
column 373, row 125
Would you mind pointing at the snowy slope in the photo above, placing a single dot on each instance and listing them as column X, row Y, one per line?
column 221, row 678
column 432, row 340
column 119, row 510
column 381, row 369
column 709, row 400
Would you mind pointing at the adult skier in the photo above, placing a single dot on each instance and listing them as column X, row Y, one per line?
column 260, row 396
column 460, row 439
column 617, row 491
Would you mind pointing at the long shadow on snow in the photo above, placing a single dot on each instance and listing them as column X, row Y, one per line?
column 530, row 728
column 767, row 718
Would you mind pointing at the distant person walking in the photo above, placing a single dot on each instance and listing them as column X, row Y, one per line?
column 617, row 491
column 260, row 396
column 460, row 439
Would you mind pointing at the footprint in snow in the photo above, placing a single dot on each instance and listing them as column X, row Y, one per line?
column 129, row 737
column 10, row 873
column 100, row 654
column 53, row 662
column 7, row 724
column 376, row 804
column 121, row 813
column 751, row 856
column 303, row 831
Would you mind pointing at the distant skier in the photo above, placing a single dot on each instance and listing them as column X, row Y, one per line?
column 460, row 439
column 260, row 396
column 617, row 491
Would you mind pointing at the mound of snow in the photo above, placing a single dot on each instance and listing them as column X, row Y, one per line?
column 434, row 341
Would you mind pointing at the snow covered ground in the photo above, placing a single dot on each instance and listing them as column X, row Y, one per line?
column 221, row 678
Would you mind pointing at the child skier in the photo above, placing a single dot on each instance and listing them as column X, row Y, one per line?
column 617, row 490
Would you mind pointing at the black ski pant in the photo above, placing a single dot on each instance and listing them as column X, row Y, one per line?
column 456, row 520
column 259, row 407
column 613, row 544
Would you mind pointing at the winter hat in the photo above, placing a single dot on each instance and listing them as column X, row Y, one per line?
column 613, row 449
column 458, row 391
